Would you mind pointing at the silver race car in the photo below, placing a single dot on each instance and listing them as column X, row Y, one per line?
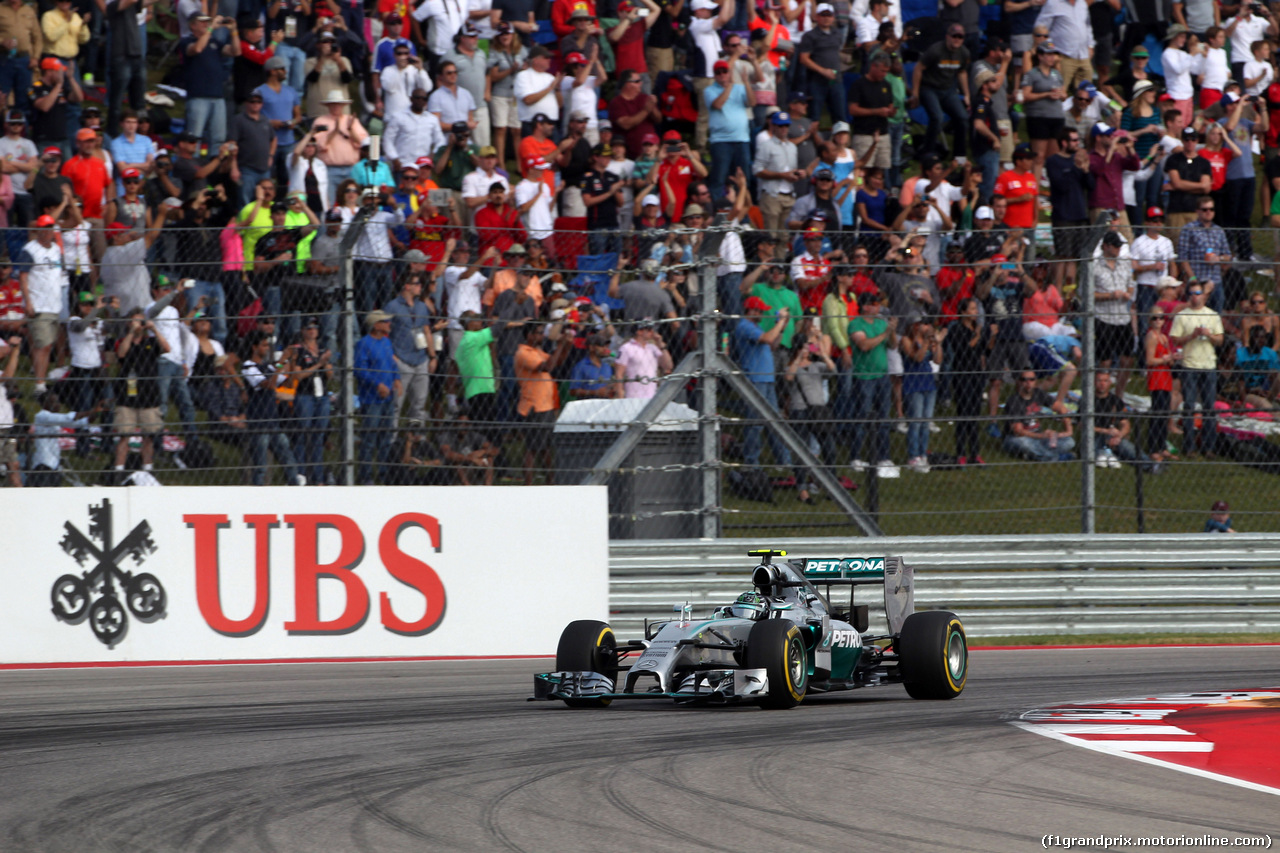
column 776, row 643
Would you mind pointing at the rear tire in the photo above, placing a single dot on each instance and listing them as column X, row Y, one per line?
column 775, row 646
column 588, row 646
column 933, row 655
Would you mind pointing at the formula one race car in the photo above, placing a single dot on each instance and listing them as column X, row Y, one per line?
column 773, row 645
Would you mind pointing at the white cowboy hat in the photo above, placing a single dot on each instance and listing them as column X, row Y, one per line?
column 336, row 96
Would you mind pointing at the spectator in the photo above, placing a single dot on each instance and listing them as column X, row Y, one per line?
column 754, row 346
column 44, row 294
column 1250, row 24
column 1190, row 179
column 452, row 104
column 819, row 54
column 592, row 376
column 602, row 193
column 412, row 348
column 399, row 79
column 477, row 185
column 378, row 386
column 514, row 307
column 1159, row 360
column 20, row 30
column 535, row 92
column 1000, row 289
column 986, row 139
column 1043, row 91
column 1197, row 331
column 47, row 427
column 1026, row 436
column 338, row 137
column 1070, row 183
column 921, row 350
column 412, row 134
column 809, row 401
column 468, row 449
column 703, row 27
column 940, row 86
column 1152, row 254
column 1112, row 430
column 1239, row 189
column 871, row 336
column 776, row 169
column 476, row 369
column 124, row 271
column 65, row 32
column 1180, row 60
column 138, row 388
column 1220, row 519
column 537, row 406
column 131, row 151
column 464, row 284
column 535, row 200
column 506, row 58
column 261, row 378
column 128, row 73
column 1259, row 369
column 498, row 222
column 255, row 150
column 635, row 113
column 172, row 369
column 50, row 96
column 282, row 107
column 729, row 104
column 1117, row 321
column 642, row 362
column 1217, row 66
column 1111, row 157
column 1205, row 254
column 369, row 173
column 11, row 350
column 1066, row 24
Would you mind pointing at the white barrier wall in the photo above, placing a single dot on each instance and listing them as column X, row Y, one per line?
column 194, row 574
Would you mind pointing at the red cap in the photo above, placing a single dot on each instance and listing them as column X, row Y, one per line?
column 86, row 133
column 130, row 173
column 1155, row 213
column 52, row 149
column 1221, row 506
column 536, row 163
column 45, row 221
column 393, row 19
column 425, row 162
column 324, row 11
column 813, row 229
column 672, row 136
column 575, row 58
column 649, row 137
column 113, row 227
column 755, row 303
column 999, row 259
column 50, row 63
column 720, row 65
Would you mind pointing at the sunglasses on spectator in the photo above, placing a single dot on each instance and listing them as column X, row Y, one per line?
column 1210, row 209
column 450, row 71
column 1037, row 35
column 417, row 97
column 1258, row 301
column 402, row 53
column 1194, row 292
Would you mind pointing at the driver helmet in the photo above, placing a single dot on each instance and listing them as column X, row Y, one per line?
column 750, row 605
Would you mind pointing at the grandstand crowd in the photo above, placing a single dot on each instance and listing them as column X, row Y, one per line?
column 900, row 199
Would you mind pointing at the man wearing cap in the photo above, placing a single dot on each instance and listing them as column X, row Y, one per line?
column 634, row 113
column 1116, row 322
column 477, row 186
column 446, row 17
column 642, row 362
column 821, row 198
column 392, row 38
column 573, row 159
column 398, row 80
column 819, row 53
column 255, row 142
column 775, row 167
column 940, row 84
column 44, row 293
column 535, row 200
column 602, row 196
column 90, row 183
column 628, row 36
column 1190, row 178
column 374, row 256
column 871, row 104
column 248, row 68
column 997, row 57
column 20, row 160
column 1018, row 187
column 329, row 73
column 537, row 92
column 703, row 28
column 1119, row 86
column 412, row 348
column 378, row 386
column 1198, row 331
column 498, row 221
column 1069, row 28
column 338, row 136
column 49, row 96
column 986, row 136
column 754, row 346
column 21, row 35
column 584, row 40
column 1153, row 256
column 456, row 158
column 539, row 144
column 204, row 55
column 471, row 64
column 1244, row 29
column 282, row 106
column 413, row 133
column 1111, row 156
column 262, row 377
column 124, row 272
column 729, row 104
column 674, row 172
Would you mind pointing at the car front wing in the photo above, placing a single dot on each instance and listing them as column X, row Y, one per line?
column 717, row 686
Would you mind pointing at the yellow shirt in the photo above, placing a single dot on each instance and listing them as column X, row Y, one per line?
column 1197, row 354
column 63, row 36
column 21, row 24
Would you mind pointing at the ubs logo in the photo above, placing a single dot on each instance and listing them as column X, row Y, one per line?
column 95, row 594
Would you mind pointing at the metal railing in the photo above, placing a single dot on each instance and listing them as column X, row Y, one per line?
column 1000, row 585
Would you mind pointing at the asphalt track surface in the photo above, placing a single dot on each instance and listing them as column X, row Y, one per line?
column 449, row 756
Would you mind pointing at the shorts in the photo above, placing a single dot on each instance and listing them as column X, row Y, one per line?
column 8, row 451
column 502, row 112
column 43, row 329
column 1045, row 360
column 1007, row 355
column 895, row 362
column 1044, row 128
column 537, row 431
column 882, row 158
column 129, row 420
column 1020, row 44
column 1068, row 238
column 1114, row 341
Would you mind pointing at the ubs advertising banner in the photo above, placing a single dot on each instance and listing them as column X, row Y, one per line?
column 202, row 574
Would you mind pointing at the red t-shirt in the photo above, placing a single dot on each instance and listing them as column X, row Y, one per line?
column 955, row 285
column 1218, row 161
column 811, row 267
column 428, row 237
column 862, row 283
column 12, row 305
column 498, row 228
column 628, row 51
column 88, row 176
column 620, row 108
column 531, row 147
column 1022, row 214
column 678, row 175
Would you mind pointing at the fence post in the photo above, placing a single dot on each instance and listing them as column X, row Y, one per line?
column 708, row 420
column 347, row 247
column 1088, row 479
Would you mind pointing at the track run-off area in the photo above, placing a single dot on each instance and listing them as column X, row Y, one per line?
column 449, row 755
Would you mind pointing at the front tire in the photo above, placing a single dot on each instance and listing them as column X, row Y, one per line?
column 933, row 655
column 588, row 646
column 775, row 646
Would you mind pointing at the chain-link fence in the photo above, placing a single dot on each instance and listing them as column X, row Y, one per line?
column 920, row 383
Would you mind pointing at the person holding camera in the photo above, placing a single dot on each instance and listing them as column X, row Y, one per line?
column 138, row 387
column 205, row 74
column 1252, row 23
column 329, row 76
column 338, row 136
column 399, row 80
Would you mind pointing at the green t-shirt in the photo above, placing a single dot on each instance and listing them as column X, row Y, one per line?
column 899, row 89
column 873, row 363
column 475, row 363
column 458, row 167
column 775, row 298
